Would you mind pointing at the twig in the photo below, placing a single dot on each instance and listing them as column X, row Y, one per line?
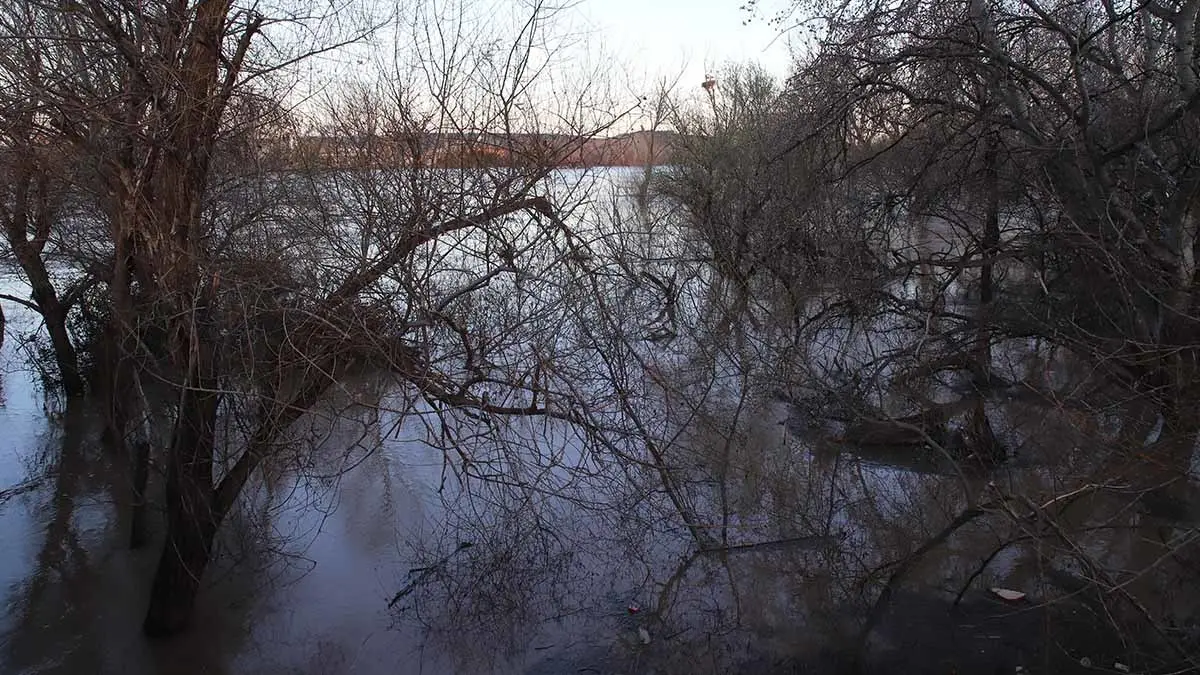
column 808, row 542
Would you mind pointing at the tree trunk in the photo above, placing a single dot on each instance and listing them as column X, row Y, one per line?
column 141, row 475
column 192, row 513
column 127, row 400
column 55, row 317
column 990, row 242
column 177, row 579
column 192, row 520
column 64, row 352
column 125, row 396
column 986, row 444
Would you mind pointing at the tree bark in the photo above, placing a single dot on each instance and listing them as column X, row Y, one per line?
column 141, row 475
column 184, row 559
column 54, row 315
column 987, row 446
column 192, row 514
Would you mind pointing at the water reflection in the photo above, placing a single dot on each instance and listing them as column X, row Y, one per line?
column 76, row 608
column 608, row 584
column 539, row 557
column 59, row 590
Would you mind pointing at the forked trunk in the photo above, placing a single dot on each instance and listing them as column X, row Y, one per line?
column 177, row 578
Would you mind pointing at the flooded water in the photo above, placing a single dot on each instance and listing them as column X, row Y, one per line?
column 383, row 548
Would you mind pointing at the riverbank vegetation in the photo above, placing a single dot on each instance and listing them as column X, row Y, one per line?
column 958, row 242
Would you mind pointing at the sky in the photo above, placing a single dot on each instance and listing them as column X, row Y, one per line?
column 692, row 37
column 629, row 46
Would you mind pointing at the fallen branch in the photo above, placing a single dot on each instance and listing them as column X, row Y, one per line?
column 424, row 573
column 20, row 489
column 810, row 542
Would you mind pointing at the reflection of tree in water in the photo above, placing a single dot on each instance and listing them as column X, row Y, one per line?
column 522, row 593
column 331, row 461
column 77, row 610
column 821, row 557
column 492, row 578
column 59, row 593
column 516, row 576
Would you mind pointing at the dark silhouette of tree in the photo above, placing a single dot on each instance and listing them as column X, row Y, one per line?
column 225, row 286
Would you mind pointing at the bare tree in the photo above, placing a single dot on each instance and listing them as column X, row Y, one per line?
column 247, row 281
column 1021, row 179
column 35, row 176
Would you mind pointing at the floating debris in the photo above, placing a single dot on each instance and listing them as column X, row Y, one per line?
column 1008, row 594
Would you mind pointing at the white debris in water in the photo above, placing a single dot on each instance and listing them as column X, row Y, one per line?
column 644, row 635
column 1155, row 432
column 1007, row 593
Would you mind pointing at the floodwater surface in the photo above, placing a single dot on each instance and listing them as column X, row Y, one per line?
column 375, row 553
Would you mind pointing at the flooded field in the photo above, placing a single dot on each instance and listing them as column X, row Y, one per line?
column 342, row 340
column 379, row 552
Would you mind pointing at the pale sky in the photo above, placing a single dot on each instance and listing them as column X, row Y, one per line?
column 665, row 37
column 629, row 45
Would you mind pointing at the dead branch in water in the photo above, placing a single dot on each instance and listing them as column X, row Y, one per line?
column 20, row 489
